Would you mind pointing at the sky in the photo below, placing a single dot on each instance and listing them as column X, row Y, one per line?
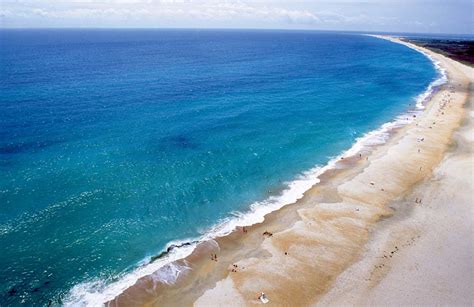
column 415, row 16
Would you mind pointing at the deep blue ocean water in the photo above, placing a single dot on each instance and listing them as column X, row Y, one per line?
column 115, row 142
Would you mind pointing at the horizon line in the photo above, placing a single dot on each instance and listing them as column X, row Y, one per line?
column 233, row 29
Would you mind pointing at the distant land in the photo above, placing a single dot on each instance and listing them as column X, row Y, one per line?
column 459, row 50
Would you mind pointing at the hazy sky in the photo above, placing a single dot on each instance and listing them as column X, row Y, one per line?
column 437, row 16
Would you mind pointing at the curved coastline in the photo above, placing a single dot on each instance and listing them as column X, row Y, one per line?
column 168, row 266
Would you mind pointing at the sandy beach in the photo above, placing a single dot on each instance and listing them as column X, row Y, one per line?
column 423, row 254
column 391, row 225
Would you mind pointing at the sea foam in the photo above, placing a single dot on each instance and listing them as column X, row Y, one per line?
column 99, row 291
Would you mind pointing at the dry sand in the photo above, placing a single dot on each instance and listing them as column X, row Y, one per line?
column 423, row 255
column 358, row 237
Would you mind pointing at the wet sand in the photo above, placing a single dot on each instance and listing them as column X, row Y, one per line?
column 423, row 254
column 338, row 244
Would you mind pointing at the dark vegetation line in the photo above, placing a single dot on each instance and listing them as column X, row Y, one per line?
column 459, row 50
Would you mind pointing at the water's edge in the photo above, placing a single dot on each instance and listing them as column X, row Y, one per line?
column 100, row 291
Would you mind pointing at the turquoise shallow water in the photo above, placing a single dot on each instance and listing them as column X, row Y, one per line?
column 116, row 142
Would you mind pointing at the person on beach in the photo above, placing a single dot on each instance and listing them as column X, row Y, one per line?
column 263, row 298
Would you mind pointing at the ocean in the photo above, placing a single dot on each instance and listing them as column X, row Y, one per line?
column 116, row 144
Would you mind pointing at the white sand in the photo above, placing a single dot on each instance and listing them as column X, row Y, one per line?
column 433, row 262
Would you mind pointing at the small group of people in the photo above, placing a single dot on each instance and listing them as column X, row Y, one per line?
column 268, row 234
column 234, row 268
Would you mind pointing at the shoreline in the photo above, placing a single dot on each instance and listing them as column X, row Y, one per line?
column 289, row 224
column 423, row 254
